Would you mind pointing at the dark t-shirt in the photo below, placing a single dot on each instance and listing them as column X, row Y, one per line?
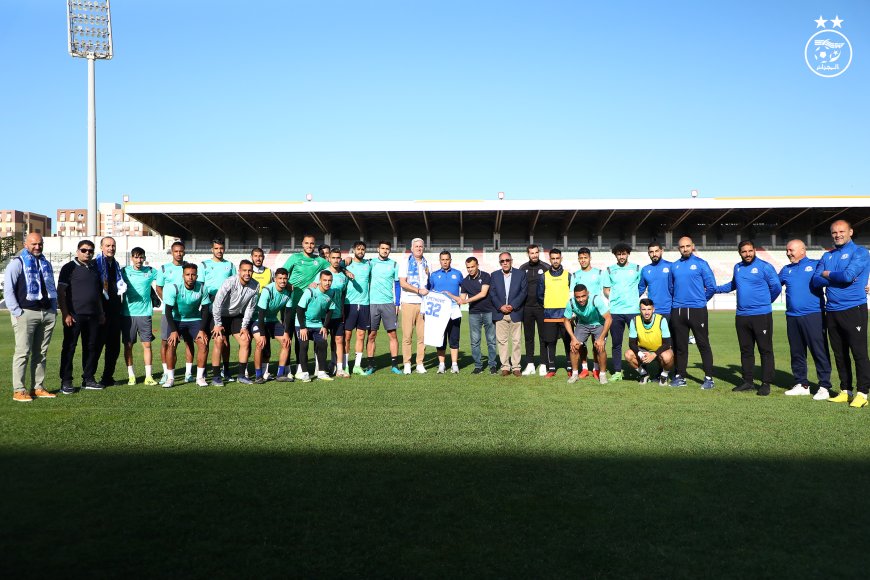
column 472, row 287
column 84, row 289
column 534, row 276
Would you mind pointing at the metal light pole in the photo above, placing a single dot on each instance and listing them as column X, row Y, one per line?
column 89, row 35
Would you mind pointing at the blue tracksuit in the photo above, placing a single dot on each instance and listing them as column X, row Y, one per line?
column 654, row 281
column 691, row 283
column 757, row 286
column 848, row 266
column 801, row 298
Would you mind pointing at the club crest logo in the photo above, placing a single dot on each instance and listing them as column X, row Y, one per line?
column 754, row 271
column 665, row 270
column 844, row 257
column 828, row 53
column 808, row 269
column 693, row 267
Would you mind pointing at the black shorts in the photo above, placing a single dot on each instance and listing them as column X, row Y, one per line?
column 451, row 333
column 357, row 316
column 231, row 324
column 336, row 327
column 272, row 329
column 187, row 331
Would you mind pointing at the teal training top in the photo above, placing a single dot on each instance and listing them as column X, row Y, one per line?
column 383, row 284
column 187, row 303
column 137, row 298
column 316, row 305
column 358, row 288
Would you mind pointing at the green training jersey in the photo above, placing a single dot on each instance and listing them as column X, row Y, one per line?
column 316, row 305
column 358, row 288
column 137, row 298
column 383, row 281
column 594, row 279
column 170, row 274
column 624, row 281
column 186, row 302
column 304, row 269
column 339, row 287
column 591, row 315
column 214, row 273
column 272, row 302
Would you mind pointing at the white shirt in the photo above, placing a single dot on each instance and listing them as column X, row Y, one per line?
column 412, row 297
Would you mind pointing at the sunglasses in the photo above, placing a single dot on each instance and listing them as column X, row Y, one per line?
column 86, row 250
column 505, row 261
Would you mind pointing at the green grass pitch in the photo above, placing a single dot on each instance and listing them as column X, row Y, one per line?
column 435, row 476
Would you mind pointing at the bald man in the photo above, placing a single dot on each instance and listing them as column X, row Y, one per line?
column 842, row 272
column 805, row 324
column 31, row 297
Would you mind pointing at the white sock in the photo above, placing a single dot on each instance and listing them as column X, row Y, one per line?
column 455, row 366
column 595, row 367
column 339, row 367
column 708, row 378
column 664, row 373
column 345, row 360
column 585, row 366
column 358, row 359
column 188, row 369
column 130, row 371
column 575, row 373
column 147, row 370
column 200, row 372
column 165, row 369
column 299, row 369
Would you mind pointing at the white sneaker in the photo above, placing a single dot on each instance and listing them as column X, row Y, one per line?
column 572, row 378
column 440, row 369
column 822, row 395
column 299, row 374
column 602, row 377
column 454, row 370
column 407, row 370
column 201, row 382
column 798, row 389
column 304, row 377
column 530, row 369
column 542, row 370
column 324, row 376
column 421, row 370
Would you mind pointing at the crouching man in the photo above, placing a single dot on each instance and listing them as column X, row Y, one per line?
column 649, row 340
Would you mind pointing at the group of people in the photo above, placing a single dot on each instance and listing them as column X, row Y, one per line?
column 319, row 299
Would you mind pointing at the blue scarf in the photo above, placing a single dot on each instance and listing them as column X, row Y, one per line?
column 103, row 267
column 413, row 274
column 32, row 267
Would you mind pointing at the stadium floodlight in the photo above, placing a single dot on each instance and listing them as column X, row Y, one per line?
column 694, row 193
column 89, row 35
column 501, row 195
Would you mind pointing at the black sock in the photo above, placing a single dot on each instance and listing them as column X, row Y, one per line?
column 242, row 369
column 370, row 361
column 393, row 360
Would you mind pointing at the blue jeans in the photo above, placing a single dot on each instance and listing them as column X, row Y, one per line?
column 476, row 320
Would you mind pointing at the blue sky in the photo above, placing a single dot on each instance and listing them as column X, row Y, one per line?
column 371, row 100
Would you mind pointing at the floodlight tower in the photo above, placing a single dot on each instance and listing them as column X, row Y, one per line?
column 89, row 35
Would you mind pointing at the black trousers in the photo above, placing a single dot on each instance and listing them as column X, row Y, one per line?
column 88, row 327
column 752, row 331
column 847, row 331
column 550, row 336
column 320, row 346
column 533, row 316
column 110, row 344
column 617, row 332
column 694, row 319
column 808, row 332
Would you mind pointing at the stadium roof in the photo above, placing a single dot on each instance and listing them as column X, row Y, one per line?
column 483, row 218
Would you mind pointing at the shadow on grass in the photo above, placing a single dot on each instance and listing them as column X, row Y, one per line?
column 400, row 515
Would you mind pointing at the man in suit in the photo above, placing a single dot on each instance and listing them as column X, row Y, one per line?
column 508, row 292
